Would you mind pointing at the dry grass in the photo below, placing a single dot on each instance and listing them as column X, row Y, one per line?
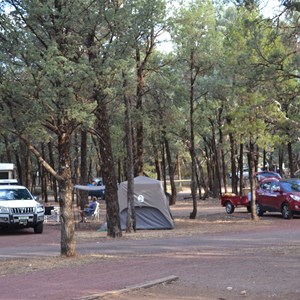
column 29, row 265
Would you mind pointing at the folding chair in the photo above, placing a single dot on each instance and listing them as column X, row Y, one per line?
column 95, row 215
column 54, row 215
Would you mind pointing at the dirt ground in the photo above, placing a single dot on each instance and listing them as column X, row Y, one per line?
column 200, row 271
column 211, row 218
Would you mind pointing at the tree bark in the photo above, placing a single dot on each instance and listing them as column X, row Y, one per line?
column 193, row 214
column 290, row 155
column 222, row 154
column 139, row 165
column 43, row 175
column 156, row 160
column 83, row 195
column 131, row 218
column 172, row 198
column 216, row 179
column 241, row 167
column 233, row 154
column 52, row 178
column 108, row 168
column 68, row 240
column 251, row 166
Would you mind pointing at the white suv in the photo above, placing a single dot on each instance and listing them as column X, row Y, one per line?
column 18, row 208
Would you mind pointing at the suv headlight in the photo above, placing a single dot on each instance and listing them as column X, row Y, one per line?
column 40, row 208
column 4, row 210
column 294, row 197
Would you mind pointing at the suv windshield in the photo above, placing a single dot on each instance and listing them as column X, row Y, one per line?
column 15, row 194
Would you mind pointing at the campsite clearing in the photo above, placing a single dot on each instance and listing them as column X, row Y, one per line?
column 215, row 256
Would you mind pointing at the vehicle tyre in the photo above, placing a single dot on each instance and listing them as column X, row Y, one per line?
column 229, row 207
column 39, row 227
column 286, row 212
column 249, row 209
column 259, row 210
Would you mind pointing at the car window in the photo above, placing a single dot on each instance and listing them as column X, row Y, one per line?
column 265, row 185
column 275, row 186
column 291, row 186
column 15, row 194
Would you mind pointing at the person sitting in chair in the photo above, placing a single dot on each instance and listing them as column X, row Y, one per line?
column 88, row 211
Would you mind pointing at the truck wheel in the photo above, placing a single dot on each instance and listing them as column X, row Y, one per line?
column 286, row 212
column 259, row 210
column 229, row 207
column 38, row 228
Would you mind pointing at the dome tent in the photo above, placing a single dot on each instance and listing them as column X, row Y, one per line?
column 150, row 202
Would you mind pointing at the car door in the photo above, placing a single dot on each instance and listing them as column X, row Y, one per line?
column 274, row 198
column 263, row 192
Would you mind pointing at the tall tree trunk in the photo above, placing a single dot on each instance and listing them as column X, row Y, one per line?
column 223, row 161
column 290, row 155
column 193, row 214
column 141, row 64
column 217, row 178
column 178, row 161
column 208, row 167
column 264, row 159
column 131, row 218
column 233, row 154
column 19, row 167
column 202, row 182
column 156, row 159
column 223, row 165
column 251, row 166
column 172, row 198
column 281, row 160
column 43, row 175
column 23, row 161
column 52, row 178
column 139, row 166
column 83, row 195
column 163, row 162
column 68, row 240
column 108, row 168
column 28, row 168
column 241, row 167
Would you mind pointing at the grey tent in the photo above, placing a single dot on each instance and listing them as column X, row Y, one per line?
column 150, row 202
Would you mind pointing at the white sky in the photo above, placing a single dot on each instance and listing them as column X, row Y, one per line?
column 269, row 9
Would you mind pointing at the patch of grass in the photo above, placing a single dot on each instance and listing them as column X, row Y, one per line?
column 29, row 265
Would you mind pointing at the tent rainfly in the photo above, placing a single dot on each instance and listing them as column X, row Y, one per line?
column 150, row 202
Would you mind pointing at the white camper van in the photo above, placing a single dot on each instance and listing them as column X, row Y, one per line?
column 8, row 173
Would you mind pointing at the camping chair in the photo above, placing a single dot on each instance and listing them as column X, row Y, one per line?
column 95, row 215
column 54, row 215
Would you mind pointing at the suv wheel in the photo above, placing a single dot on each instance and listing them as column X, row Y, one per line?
column 259, row 210
column 39, row 228
column 229, row 208
column 286, row 212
